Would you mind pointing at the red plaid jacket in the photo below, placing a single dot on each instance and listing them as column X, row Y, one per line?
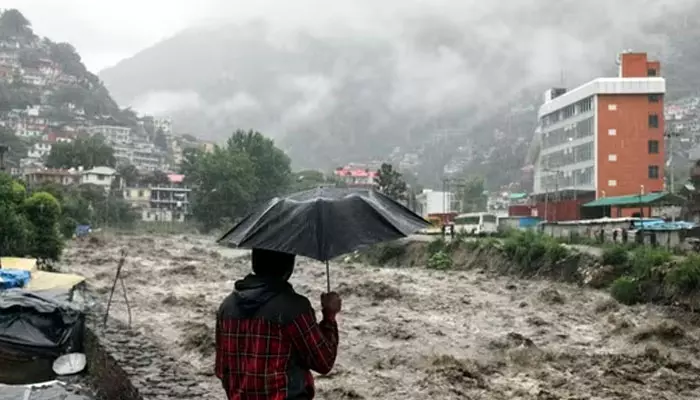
column 268, row 340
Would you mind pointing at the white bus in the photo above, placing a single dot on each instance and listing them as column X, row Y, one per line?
column 476, row 224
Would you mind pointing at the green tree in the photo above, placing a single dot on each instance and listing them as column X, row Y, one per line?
column 229, row 181
column 307, row 179
column 17, row 148
column 83, row 152
column 65, row 55
column 157, row 178
column 129, row 174
column 272, row 167
column 14, row 226
column 190, row 157
column 44, row 212
column 471, row 195
column 160, row 140
column 14, row 24
column 223, row 185
column 390, row 182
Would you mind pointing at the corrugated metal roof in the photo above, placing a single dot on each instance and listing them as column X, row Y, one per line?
column 635, row 199
column 517, row 196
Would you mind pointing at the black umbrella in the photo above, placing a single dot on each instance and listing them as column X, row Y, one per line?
column 324, row 223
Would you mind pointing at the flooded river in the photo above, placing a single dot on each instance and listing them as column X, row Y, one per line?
column 413, row 333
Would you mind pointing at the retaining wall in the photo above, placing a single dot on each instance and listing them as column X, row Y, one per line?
column 126, row 365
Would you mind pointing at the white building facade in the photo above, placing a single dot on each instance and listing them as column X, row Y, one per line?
column 434, row 202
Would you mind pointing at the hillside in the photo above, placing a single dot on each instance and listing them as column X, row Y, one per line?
column 38, row 62
column 47, row 95
column 441, row 86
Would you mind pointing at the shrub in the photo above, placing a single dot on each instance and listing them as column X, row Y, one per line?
column 436, row 246
column 386, row 252
column 644, row 259
column 68, row 226
column 473, row 245
column 530, row 250
column 556, row 253
column 626, row 290
column 461, row 235
column 616, row 256
column 684, row 278
column 44, row 212
column 489, row 243
column 441, row 260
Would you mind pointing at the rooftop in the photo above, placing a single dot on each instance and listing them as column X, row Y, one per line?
column 101, row 171
column 609, row 86
column 651, row 199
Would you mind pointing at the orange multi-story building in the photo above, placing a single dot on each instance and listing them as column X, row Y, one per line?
column 602, row 139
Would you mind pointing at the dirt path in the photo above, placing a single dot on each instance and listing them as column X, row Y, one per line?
column 417, row 334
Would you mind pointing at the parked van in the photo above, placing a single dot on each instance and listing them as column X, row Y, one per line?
column 476, row 224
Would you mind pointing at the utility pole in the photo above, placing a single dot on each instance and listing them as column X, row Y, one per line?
column 670, row 134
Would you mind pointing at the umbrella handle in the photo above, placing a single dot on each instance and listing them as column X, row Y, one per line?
column 328, row 277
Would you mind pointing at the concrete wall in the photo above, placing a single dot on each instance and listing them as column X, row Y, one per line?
column 126, row 365
column 669, row 239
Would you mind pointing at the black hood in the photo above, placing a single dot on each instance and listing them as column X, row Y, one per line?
column 252, row 292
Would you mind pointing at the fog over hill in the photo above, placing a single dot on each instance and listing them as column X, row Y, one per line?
column 357, row 84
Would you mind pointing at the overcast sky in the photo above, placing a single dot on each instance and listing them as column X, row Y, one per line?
column 106, row 31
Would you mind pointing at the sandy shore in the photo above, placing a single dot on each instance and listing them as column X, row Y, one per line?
column 413, row 333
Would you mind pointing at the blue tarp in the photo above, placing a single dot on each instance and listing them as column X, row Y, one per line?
column 82, row 230
column 661, row 225
column 528, row 222
column 14, row 278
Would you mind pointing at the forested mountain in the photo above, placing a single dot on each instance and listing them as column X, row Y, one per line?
column 445, row 84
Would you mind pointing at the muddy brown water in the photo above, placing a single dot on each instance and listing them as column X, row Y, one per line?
column 413, row 333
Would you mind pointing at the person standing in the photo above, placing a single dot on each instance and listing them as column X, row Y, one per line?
column 267, row 337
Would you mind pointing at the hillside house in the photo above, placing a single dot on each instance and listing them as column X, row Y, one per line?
column 34, row 77
column 25, row 130
column 161, row 203
column 9, row 58
column 6, row 72
column 101, row 176
column 65, row 79
column 39, row 150
column 112, row 133
column 356, row 177
column 144, row 156
column 58, row 176
column 164, row 125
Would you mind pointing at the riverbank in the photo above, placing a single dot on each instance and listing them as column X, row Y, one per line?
column 631, row 274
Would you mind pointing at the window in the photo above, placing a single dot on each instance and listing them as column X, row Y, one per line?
column 488, row 218
column 651, row 72
column 612, row 107
column 654, row 98
column 100, row 177
column 653, row 146
column 612, row 157
column 612, row 132
column 586, row 105
column 612, row 183
column 653, row 121
column 473, row 220
column 653, row 172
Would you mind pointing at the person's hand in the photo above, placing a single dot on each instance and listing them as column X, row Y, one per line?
column 331, row 303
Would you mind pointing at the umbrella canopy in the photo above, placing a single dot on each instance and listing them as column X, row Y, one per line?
column 324, row 223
